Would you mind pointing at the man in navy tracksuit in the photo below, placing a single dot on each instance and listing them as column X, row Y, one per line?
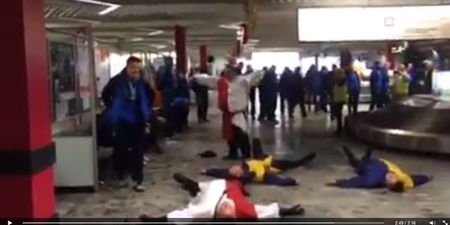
column 181, row 104
column 167, row 85
column 128, row 109
column 375, row 86
column 384, row 92
column 378, row 173
column 269, row 89
column 353, row 88
column 283, row 88
column 249, row 70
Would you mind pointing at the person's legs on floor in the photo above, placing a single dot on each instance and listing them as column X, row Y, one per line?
column 272, row 179
column 187, row 183
column 290, row 164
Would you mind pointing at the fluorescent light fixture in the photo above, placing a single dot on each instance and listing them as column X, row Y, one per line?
column 158, row 46
column 230, row 26
column 111, row 6
column 253, row 41
column 137, row 39
column 156, row 32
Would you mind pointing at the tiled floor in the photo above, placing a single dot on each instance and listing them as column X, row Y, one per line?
column 289, row 139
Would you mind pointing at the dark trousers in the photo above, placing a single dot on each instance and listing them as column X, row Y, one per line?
column 252, row 102
column 283, row 99
column 360, row 165
column 313, row 99
column 293, row 101
column 180, row 116
column 324, row 101
column 167, row 112
column 240, row 142
column 271, row 106
column 128, row 152
column 353, row 102
column 374, row 100
column 202, row 96
column 155, row 131
column 337, row 113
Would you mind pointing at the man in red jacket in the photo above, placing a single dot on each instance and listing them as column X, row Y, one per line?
column 233, row 97
column 221, row 199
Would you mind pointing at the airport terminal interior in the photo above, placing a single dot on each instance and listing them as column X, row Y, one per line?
column 111, row 98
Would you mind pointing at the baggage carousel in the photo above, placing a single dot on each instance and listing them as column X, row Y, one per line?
column 419, row 123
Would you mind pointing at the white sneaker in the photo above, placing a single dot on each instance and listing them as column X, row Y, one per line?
column 139, row 188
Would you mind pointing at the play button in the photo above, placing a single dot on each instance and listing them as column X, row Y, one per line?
column 9, row 222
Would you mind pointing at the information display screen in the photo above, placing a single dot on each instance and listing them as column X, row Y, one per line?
column 373, row 23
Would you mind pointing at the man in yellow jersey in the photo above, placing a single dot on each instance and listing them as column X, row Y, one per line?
column 401, row 83
column 262, row 168
column 378, row 173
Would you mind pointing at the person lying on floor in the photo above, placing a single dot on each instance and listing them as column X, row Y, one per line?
column 224, row 199
column 378, row 173
column 262, row 168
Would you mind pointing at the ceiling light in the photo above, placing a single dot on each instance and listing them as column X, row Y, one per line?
column 111, row 6
column 253, row 41
column 158, row 46
column 156, row 32
column 231, row 26
column 137, row 39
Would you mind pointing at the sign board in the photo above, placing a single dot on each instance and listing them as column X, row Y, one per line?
column 373, row 23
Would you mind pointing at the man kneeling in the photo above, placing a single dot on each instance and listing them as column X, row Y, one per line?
column 378, row 173
column 221, row 199
column 262, row 168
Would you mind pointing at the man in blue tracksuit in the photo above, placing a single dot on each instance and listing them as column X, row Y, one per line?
column 249, row 70
column 128, row 110
column 167, row 84
column 324, row 94
column 269, row 86
column 378, row 173
column 384, row 91
column 181, row 104
column 375, row 86
column 295, row 91
column 314, row 83
column 353, row 88
column 283, row 88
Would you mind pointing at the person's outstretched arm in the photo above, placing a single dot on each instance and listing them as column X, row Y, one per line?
column 206, row 80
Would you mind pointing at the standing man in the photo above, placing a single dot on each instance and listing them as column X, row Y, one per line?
column 339, row 98
column 283, row 86
column 296, row 93
column 314, row 83
column 128, row 112
column 353, row 88
column 323, row 89
column 262, row 98
column 233, row 102
column 249, row 70
column 167, row 85
column 269, row 88
column 401, row 83
column 375, row 86
column 384, row 94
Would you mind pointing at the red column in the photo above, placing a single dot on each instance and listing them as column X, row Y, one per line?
column 180, row 48
column 203, row 58
column 390, row 57
column 27, row 152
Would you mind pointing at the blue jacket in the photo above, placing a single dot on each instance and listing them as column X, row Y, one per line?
column 283, row 84
column 269, row 84
column 353, row 83
column 121, row 107
column 166, row 78
column 182, row 93
column 375, row 81
column 384, row 81
column 314, row 81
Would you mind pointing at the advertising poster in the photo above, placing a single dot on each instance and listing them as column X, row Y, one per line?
column 83, row 72
column 102, row 68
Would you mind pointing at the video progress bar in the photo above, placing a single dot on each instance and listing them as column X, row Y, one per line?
column 218, row 223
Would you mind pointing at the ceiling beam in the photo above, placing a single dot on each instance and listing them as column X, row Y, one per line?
column 173, row 2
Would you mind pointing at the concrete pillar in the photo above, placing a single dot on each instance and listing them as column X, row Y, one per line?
column 203, row 58
column 27, row 153
column 180, row 49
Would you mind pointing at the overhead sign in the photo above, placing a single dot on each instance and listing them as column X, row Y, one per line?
column 373, row 23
